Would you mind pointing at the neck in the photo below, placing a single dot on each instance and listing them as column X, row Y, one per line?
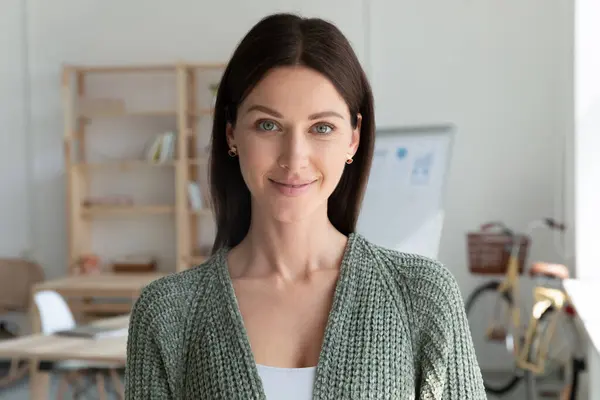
column 290, row 250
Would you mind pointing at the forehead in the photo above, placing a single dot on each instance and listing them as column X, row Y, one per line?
column 295, row 90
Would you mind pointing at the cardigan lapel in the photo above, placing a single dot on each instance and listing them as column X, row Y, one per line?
column 248, row 383
column 235, row 342
column 219, row 364
column 334, row 336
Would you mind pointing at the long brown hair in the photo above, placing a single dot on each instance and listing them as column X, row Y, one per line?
column 286, row 40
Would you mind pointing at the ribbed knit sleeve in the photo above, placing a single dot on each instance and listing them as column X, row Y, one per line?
column 463, row 376
column 450, row 370
column 145, row 371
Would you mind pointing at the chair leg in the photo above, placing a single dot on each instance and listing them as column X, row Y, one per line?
column 117, row 383
column 100, row 386
column 62, row 387
column 75, row 379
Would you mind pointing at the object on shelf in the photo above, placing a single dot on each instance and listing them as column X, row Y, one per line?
column 95, row 107
column 115, row 200
column 135, row 264
column 195, row 196
column 88, row 264
column 214, row 88
column 162, row 148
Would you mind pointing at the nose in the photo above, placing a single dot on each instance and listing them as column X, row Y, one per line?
column 294, row 150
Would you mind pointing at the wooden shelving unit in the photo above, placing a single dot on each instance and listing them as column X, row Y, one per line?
column 186, row 114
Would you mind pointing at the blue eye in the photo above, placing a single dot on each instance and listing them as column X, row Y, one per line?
column 267, row 125
column 323, row 129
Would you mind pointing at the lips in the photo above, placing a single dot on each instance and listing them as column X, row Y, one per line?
column 292, row 188
column 294, row 184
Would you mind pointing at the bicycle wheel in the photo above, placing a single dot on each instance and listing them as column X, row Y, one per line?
column 493, row 340
column 564, row 359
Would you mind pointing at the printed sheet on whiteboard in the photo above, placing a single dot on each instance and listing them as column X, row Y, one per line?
column 403, row 204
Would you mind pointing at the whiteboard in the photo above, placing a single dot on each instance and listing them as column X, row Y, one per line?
column 403, row 208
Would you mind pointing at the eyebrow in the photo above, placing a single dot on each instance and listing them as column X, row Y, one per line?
column 267, row 110
column 258, row 107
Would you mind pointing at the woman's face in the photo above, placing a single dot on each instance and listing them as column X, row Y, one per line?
column 293, row 136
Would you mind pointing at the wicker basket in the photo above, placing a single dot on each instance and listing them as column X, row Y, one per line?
column 489, row 252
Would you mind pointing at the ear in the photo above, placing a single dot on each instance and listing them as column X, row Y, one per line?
column 229, row 135
column 355, row 135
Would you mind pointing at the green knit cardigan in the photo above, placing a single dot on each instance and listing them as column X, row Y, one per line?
column 397, row 330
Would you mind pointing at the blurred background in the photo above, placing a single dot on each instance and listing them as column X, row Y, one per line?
column 514, row 83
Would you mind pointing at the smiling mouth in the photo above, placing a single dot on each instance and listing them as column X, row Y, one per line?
column 291, row 185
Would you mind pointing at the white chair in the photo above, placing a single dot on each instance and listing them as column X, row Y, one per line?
column 55, row 315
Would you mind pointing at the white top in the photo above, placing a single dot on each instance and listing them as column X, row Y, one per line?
column 287, row 383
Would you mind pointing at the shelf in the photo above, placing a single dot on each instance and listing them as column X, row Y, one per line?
column 197, row 259
column 124, row 164
column 198, row 161
column 145, row 113
column 102, row 308
column 202, row 212
column 185, row 115
column 205, row 66
column 120, row 210
column 203, row 111
column 121, row 68
column 142, row 68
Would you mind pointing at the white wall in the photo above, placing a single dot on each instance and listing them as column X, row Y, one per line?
column 498, row 70
column 587, row 142
column 495, row 69
column 15, row 235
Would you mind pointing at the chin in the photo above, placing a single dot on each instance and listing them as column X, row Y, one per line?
column 274, row 206
column 292, row 211
column 291, row 214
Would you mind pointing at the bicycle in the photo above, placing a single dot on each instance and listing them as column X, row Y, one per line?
column 536, row 350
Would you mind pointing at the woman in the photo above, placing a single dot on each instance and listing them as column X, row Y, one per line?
column 293, row 304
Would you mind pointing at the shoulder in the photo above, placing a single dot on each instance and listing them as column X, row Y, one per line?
column 428, row 296
column 426, row 286
column 422, row 273
column 169, row 299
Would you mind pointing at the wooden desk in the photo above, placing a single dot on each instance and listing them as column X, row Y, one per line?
column 80, row 291
column 102, row 286
column 58, row 348
column 106, row 284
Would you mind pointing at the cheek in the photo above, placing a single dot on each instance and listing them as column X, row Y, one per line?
column 255, row 161
column 332, row 161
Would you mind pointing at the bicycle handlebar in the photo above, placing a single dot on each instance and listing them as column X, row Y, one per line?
column 547, row 222
column 553, row 224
